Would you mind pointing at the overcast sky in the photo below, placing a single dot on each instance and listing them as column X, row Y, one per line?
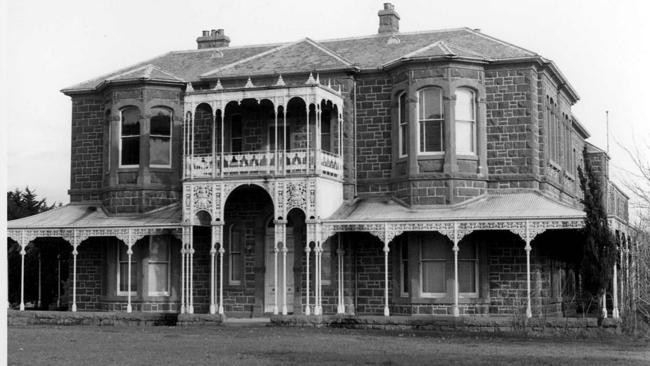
column 599, row 45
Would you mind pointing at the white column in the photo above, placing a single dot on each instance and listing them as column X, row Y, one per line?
column 529, row 311
column 129, row 253
column 307, row 105
column 58, row 282
column 190, row 299
column 38, row 302
column 276, row 288
column 307, row 251
column 386, row 251
column 184, row 237
column 318, row 250
column 192, row 142
column 22, row 277
column 284, row 139
column 456, row 311
column 277, row 142
column 213, row 252
column 340, row 309
column 615, row 314
column 604, row 303
column 221, row 251
column 284, row 278
column 74, row 276
column 222, row 116
column 317, row 132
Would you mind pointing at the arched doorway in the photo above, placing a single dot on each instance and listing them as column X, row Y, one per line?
column 247, row 213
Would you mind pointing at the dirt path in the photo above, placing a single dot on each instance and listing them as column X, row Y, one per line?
column 260, row 345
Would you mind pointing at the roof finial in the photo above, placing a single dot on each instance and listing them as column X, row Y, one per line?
column 218, row 86
column 189, row 88
column 280, row 81
column 317, row 78
column 329, row 83
column 249, row 83
column 310, row 80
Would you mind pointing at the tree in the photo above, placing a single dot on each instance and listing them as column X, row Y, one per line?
column 22, row 204
column 599, row 245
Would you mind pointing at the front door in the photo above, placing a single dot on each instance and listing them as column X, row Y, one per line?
column 269, row 285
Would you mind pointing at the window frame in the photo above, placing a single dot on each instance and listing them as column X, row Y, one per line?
column 404, row 277
column 171, row 133
column 139, row 136
column 241, row 135
column 421, row 121
column 402, row 127
column 477, row 267
column 433, row 295
column 134, row 291
column 168, row 262
column 232, row 282
column 472, row 122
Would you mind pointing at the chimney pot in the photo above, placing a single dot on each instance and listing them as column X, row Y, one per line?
column 388, row 19
column 206, row 33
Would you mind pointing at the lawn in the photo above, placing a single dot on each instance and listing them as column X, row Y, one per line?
column 260, row 345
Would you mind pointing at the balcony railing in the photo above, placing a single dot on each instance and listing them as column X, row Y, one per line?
column 293, row 162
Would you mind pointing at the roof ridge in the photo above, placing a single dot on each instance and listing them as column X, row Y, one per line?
column 378, row 35
column 328, row 51
column 122, row 70
column 508, row 44
column 167, row 72
column 212, row 49
column 454, row 45
column 257, row 55
column 145, row 67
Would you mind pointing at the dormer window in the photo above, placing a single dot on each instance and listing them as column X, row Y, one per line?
column 465, row 112
column 130, row 137
column 431, row 120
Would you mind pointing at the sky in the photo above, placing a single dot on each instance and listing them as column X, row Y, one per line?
column 600, row 46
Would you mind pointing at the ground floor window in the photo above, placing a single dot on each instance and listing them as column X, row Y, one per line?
column 437, row 267
column 123, row 272
column 158, row 266
column 235, row 246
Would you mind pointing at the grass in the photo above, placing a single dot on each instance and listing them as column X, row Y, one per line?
column 259, row 345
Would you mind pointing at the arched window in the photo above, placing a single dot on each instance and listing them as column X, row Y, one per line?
column 465, row 112
column 129, row 137
column 160, row 134
column 430, row 120
column 403, row 125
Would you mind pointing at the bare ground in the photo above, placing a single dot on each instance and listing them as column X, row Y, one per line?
column 260, row 345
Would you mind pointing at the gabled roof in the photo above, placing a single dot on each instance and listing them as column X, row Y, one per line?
column 520, row 206
column 360, row 53
column 93, row 216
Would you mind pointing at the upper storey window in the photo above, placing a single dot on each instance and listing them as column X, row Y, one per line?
column 236, row 135
column 130, row 137
column 403, row 126
column 160, row 149
column 431, row 120
column 465, row 112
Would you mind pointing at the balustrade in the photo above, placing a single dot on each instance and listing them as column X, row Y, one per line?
column 292, row 162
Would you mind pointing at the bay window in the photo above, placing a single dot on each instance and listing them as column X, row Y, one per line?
column 430, row 120
column 465, row 112
column 130, row 137
column 160, row 131
column 403, row 125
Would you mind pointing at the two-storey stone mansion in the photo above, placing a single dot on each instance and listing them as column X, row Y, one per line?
column 432, row 172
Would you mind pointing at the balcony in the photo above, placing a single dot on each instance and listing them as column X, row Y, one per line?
column 254, row 132
column 255, row 163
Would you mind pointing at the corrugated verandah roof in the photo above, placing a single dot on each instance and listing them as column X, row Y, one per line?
column 76, row 216
column 496, row 207
column 364, row 53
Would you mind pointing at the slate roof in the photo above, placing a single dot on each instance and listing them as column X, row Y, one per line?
column 493, row 207
column 362, row 53
column 93, row 216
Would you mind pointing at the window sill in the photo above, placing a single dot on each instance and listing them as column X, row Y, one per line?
column 446, row 300
column 466, row 157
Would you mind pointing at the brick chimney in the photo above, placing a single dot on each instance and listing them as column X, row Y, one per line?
column 213, row 39
column 388, row 19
